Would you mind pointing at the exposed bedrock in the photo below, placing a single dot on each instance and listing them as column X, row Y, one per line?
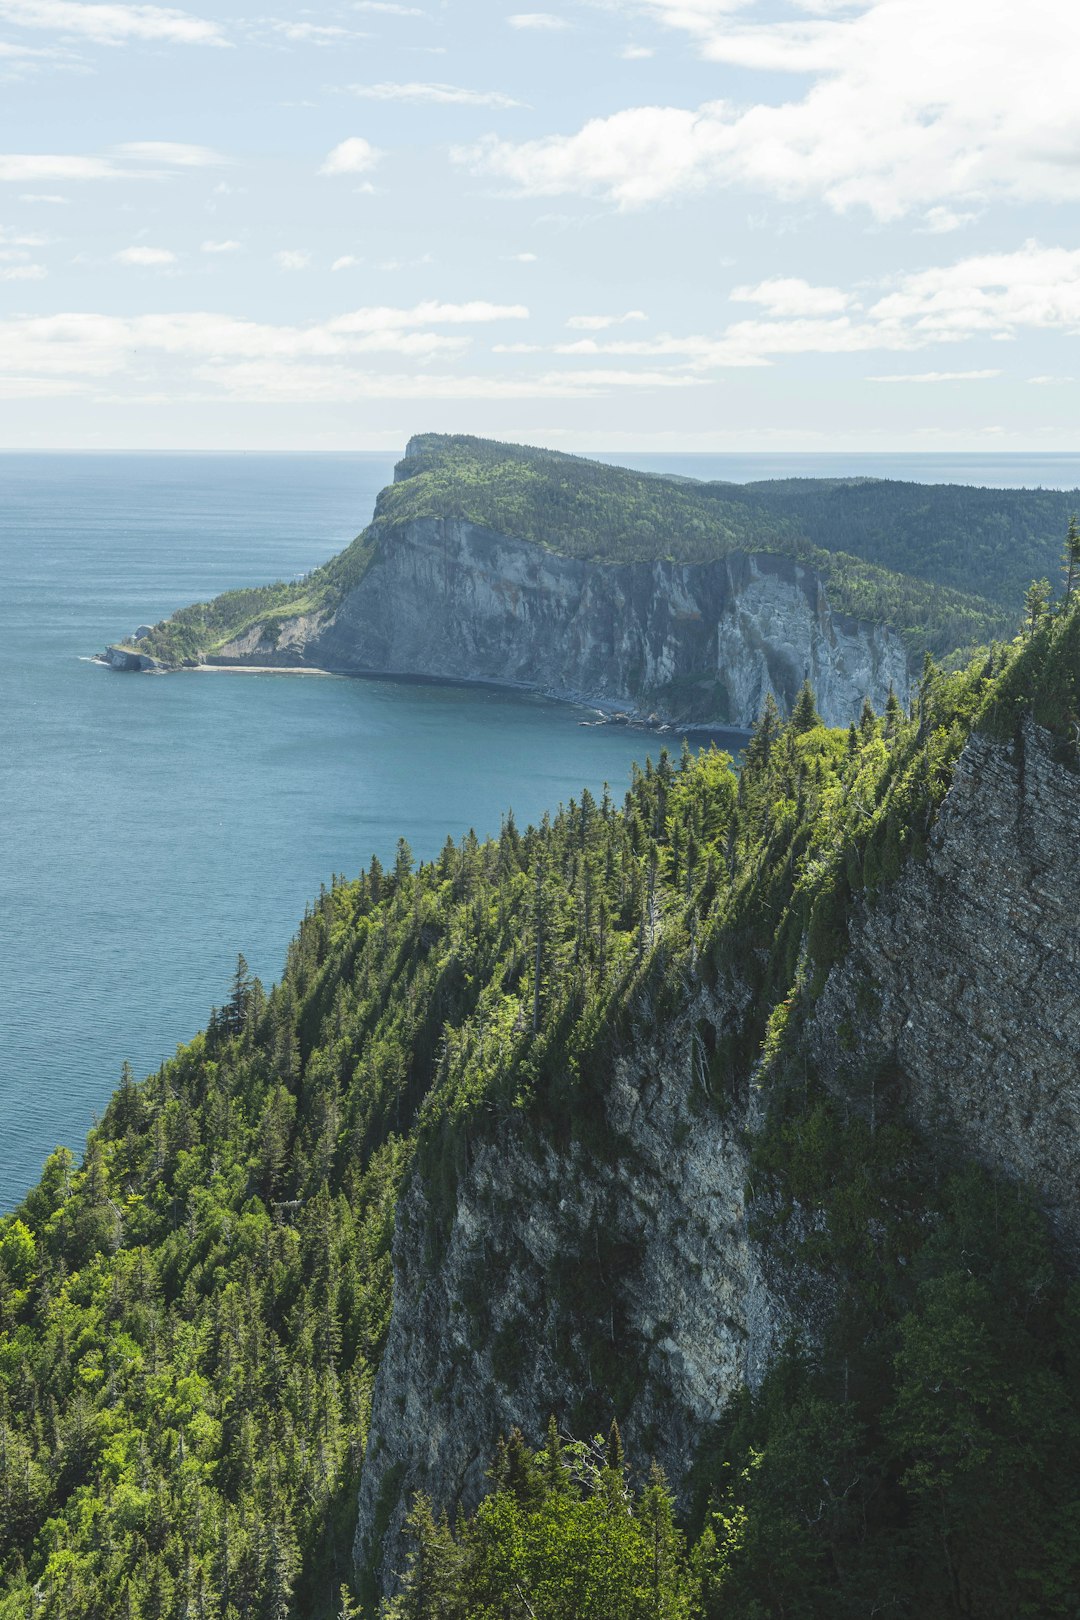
column 702, row 642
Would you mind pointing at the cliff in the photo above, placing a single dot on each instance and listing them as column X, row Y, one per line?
column 972, row 968
column 704, row 642
column 744, row 1113
column 954, row 995
column 593, row 583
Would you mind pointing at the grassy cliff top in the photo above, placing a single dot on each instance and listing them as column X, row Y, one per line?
column 944, row 565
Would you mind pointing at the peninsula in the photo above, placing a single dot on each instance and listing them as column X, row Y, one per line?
column 692, row 602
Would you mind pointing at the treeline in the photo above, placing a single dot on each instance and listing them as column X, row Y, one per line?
column 191, row 1320
column 991, row 541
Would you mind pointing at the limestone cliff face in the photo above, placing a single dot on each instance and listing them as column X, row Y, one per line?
column 702, row 642
column 963, row 977
column 551, row 1258
column 970, row 970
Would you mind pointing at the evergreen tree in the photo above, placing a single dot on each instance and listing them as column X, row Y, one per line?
column 804, row 716
column 1070, row 565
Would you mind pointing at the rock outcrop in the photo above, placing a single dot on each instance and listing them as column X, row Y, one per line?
column 495, row 1301
column 692, row 642
column 961, row 980
column 969, row 967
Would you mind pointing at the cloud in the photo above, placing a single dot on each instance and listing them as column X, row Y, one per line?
column 95, row 345
column 934, row 376
column 215, row 356
column 172, row 154
column 388, row 8
column 126, row 162
column 790, row 296
column 23, row 272
column 220, row 247
column 1052, row 382
column 347, row 262
column 352, row 156
column 150, row 258
column 305, row 33
column 541, row 21
column 293, row 259
column 597, row 323
column 520, row 258
column 911, row 104
column 940, row 220
column 42, row 197
column 444, row 94
column 269, row 383
column 636, row 53
column 112, row 24
column 31, row 166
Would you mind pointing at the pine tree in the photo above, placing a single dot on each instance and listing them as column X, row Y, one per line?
column 1070, row 563
column 804, row 716
column 1036, row 601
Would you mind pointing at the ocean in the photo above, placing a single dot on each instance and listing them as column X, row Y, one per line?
column 153, row 828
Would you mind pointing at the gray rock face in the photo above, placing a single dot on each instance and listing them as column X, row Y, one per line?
column 702, row 642
column 971, row 964
column 965, row 975
column 120, row 658
column 493, row 1332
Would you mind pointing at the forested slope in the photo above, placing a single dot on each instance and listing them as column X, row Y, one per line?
column 192, row 1318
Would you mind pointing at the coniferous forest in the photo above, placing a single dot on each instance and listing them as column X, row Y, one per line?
column 191, row 1318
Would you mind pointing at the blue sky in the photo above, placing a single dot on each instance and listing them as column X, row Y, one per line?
column 630, row 224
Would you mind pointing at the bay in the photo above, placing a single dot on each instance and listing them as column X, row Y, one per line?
column 152, row 828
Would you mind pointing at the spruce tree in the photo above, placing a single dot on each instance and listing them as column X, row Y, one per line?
column 1070, row 562
column 804, row 716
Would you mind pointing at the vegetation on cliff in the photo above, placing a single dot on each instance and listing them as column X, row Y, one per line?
column 926, row 563
column 190, row 1321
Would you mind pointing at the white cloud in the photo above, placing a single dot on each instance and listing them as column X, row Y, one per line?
column 23, row 272
column 541, row 21
column 112, row 24
column 150, row 258
column 636, row 53
column 220, row 247
column 305, row 33
column 520, row 258
column 42, row 197
column 268, row 382
column 1051, row 382
column 219, row 356
column 387, row 7
column 790, row 296
column 352, row 156
column 99, row 345
column 346, row 262
column 911, row 104
column 172, row 154
column 934, row 376
column 127, row 163
column 940, row 220
column 31, row 166
column 293, row 259
column 597, row 323
column 444, row 94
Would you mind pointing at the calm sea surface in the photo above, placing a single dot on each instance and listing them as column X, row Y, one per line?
column 151, row 828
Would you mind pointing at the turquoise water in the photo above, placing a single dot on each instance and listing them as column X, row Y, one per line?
column 151, row 828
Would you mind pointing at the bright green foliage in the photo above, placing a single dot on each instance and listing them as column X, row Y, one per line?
column 562, row 1536
column 190, row 1321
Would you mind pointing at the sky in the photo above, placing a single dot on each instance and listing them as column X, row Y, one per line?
column 616, row 224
